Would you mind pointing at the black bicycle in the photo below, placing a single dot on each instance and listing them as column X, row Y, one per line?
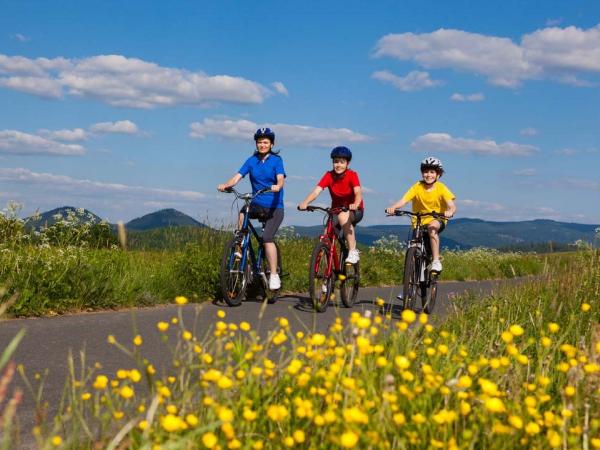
column 241, row 266
column 419, row 281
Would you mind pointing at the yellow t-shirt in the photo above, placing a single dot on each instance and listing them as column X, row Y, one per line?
column 424, row 200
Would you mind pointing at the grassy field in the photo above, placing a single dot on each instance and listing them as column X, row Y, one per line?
column 526, row 376
column 73, row 267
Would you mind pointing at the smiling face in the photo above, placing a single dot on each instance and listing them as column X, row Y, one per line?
column 430, row 176
column 263, row 146
column 340, row 165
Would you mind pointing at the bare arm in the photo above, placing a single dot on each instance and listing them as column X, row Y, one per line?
column 310, row 197
column 231, row 182
column 280, row 182
column 399, row 204
column 451, row 209
column 357, row 198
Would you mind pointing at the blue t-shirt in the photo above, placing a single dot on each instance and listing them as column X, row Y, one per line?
column 263, row 174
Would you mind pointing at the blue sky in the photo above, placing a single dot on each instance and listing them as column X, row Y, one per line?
column 128, row 107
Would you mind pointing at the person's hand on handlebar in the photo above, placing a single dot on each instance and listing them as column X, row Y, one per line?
column 275, row 188
column 448, row 215
column 222, row 187
column 390, row 211
column 302, row 206
column 352, row 206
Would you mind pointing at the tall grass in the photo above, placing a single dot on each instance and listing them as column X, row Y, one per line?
column 74, row 266
column 517, row 370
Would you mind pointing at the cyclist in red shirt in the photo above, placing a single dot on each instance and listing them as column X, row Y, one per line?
column 345, row 190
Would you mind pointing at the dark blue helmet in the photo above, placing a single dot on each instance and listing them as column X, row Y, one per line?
column 341, row 152
column 264, row 133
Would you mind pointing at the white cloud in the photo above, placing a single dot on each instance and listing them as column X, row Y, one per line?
column 478, row 97
column 118, row 127
column 300, row 135
column 280, row 88
column 19, row 143
column 529, row 131
column 121, row 81
column 20, row 37
column 443, row 142
column 74, row 135
column 555, row 53
column 525, row 172
column 413, row 81
column 78, row 186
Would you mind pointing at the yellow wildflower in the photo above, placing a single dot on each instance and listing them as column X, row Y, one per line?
column 101, row 382
column 181, row 300
column 408, row 316
column 162, row 326
column 349, row 439
column 126, row 392
column 56, row 441
column 209, row 440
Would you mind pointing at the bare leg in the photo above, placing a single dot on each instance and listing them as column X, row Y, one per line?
column 271, row 252
column 433, row 228
column 344, row 219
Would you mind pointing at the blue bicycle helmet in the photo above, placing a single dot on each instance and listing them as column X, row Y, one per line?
column 264, row 133
column 341, row 152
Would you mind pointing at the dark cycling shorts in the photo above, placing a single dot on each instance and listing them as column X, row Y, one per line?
column 271, row 217
column 442, row 226
column 355, row 217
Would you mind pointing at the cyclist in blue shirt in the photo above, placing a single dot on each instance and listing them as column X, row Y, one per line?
column 266, row 171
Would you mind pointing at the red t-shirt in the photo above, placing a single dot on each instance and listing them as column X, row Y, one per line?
column 341, row 187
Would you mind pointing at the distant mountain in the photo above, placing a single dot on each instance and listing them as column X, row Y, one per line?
column 49, row 218
column 469, row 233
column 162, row 219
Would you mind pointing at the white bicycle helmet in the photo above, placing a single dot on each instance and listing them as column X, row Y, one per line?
column 431, row 162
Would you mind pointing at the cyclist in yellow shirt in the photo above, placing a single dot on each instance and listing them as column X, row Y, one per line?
column 430, row 195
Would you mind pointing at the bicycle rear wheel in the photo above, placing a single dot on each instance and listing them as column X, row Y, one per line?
column 411, row 278
column 320, row 285
column 349, row 286
column 234, row 278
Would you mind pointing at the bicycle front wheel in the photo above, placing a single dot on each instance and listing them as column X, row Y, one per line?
column 234, row 277
column 350, row 284
column 320, row 284
column 429, row 300
column 269, row 295
column 411, row 277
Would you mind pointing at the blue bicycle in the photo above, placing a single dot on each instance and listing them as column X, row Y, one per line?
column 241, row 266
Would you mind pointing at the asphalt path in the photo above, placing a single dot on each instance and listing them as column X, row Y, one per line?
column 49, row 341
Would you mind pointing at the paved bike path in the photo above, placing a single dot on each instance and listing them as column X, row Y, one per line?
column 48, row 341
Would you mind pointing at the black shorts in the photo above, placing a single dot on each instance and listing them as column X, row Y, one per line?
column 271, row 217
column 355, row 217
column 425, row 228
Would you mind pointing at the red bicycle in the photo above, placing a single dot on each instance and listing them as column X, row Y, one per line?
column 326, row 264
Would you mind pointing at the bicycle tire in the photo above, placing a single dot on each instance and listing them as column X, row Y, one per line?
column 269, row 295
column 429, row 300
column 350, row 285
column 411, row 278
column 319, row 284
column 234, row 281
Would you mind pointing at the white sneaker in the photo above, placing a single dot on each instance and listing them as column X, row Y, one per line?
column 274, row 282
column 353, row 257
column 436, row 266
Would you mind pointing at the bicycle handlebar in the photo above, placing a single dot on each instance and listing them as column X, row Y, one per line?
column 326, row 210
column 434, row 214
column 247, row 196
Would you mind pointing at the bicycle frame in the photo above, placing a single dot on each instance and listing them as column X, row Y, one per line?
column 329, row 237
column 246, row 244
